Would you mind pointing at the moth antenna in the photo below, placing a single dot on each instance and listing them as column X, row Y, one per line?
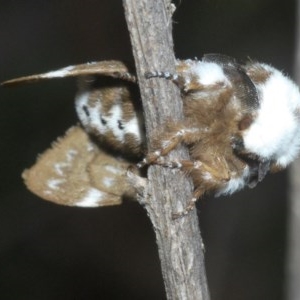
column 159, row 74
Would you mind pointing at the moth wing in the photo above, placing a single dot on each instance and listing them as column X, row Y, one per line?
column 111, row 68
column 75, row 172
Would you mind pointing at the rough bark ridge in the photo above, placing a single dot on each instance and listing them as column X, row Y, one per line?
column 179, row 241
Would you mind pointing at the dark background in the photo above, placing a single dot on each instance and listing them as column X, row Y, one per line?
column 53, row 252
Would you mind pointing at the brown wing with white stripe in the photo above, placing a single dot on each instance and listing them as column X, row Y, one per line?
column 75, row 172
column 111, row 68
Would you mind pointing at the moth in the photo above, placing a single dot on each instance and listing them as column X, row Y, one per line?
column 241, row 121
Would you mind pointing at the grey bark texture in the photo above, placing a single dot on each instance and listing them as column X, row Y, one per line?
column 179, row 241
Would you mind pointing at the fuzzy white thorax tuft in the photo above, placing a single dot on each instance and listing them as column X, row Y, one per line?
column 275, row 132
column 209, row 73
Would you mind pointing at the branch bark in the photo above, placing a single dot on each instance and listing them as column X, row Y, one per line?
column 179, row 241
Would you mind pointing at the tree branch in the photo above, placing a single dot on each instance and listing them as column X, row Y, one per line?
column 179, row 241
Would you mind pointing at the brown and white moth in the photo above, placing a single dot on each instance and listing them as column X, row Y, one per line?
column 240, row 122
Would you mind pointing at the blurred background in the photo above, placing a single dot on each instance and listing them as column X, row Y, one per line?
column 53, row 252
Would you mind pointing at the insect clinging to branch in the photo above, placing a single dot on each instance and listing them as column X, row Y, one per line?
column 240, row 122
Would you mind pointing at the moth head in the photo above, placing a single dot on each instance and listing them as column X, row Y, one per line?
column 273, row 131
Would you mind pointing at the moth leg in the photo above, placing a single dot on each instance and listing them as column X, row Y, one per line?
column 184, row 82
column 190, row 76
column 171, row 141
column 190, row 205
column 196, row 169
column 205, row 178
column 186, row 165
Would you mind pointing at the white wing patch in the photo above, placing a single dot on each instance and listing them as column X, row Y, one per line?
column 59, row 73
column 76, row 172
column 103, row 123
column 133, row 127
column 91, row 199
column 114, row 115
column 53, row 184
